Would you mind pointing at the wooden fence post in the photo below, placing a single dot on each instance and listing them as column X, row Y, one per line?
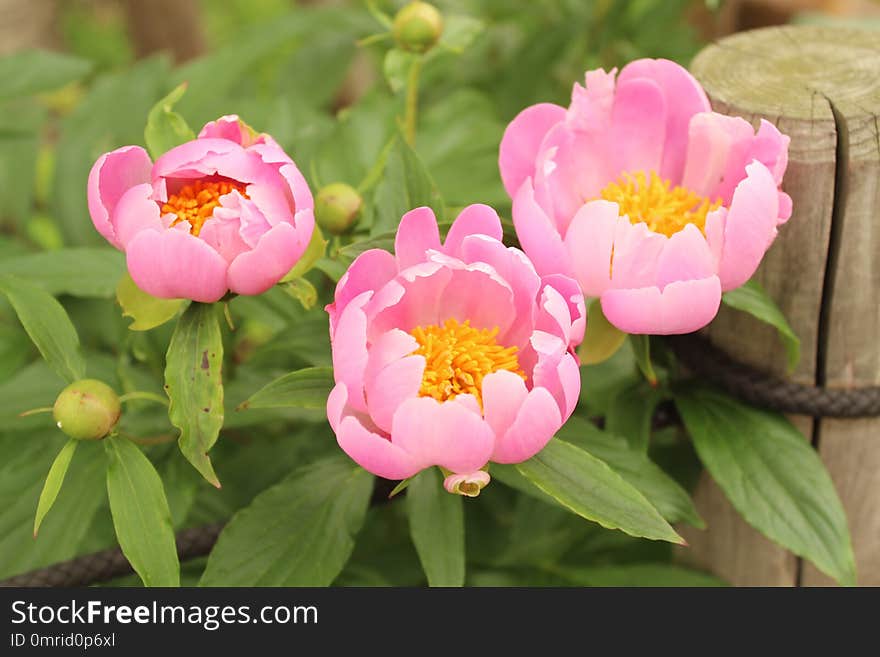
column 821, row 86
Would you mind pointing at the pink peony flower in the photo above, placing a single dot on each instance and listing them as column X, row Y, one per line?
column 228, row 211
column 654, row 203
column 452, row 354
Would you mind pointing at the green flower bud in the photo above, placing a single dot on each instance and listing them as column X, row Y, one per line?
column 87, row 409
column 417, row 27
column 337, row 206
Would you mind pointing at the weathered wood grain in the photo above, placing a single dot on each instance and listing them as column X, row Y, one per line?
column 821, row 86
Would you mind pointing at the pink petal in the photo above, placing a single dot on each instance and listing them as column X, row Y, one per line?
column 574, row 299
column 442, row 433
column 227, row 127
column 537, row 234
column 714, row 141
column 373, row 452
column 589, row 243
column 196, row 158
column 636, row 250
column 391, row 387
column 682, row 307
column 370, row 271
column 536, row 423
column 416, row 234
column 556, row 370
column 750, row 227
column 136, row 211
column 503, row 394
column 638, row 126
column 302, row 195
column 685, row 256
column 111, row 176
column 684, row 98
column 349, row 347
column 476, row 219
column 224, row 237
column 173, row 264
column 254, row 272
column 517, row 155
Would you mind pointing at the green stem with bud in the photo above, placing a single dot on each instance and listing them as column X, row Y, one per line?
column 411, row 109
column 142, row 394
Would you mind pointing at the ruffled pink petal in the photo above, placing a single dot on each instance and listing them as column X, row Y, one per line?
column 636, row 250
column 589, row 243
column 517, row 155
column 503, row 394
column 715, row 141
column 681, row 307
column 350, row 350
column 136, row 211
column 370, row 271
column 590, row 108
column 750, row 227
column 536, row 423
column 476, row 219
column 684, row 98
column 442, row 433
column 638, row 126
column 172, row 264
column 574, row 299
column 373, row 452
column 412, row 299
column 255, row 271
column 302, row 194
column 463, row 484
column 538, row 235
column 111, row 176
column 685, row 256
column 556, row 370
column 226, row 127
column 196, row 158
column 393, row 385
column 416, row 234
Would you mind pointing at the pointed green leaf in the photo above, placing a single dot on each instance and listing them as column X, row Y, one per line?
column 589, row 487
column 436, row 525
column 637, row 574
column 147, row 311
column 166, row 128
column 772, row 476
column 299, row 532
column 194, row 383
column 631, row 412
column 33, row 71
column 303, row 291
column 140, row 513
column 80, row 272
column 753, row 299
column 48, row 325
column 305, row 388
column 53, row 482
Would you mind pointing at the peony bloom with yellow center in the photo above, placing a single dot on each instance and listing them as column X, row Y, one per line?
column 654, row 203
column 451, row 354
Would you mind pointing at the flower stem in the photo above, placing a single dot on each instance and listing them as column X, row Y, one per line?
column 412, row 101
column 36, row 411
column 154, row 440
column 141, row 394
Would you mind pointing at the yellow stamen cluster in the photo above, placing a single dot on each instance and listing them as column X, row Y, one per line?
column 665, row 209
column 458, row 357
column 196, row 201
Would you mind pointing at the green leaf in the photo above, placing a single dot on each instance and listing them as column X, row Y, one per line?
column 590, row 488
column 602, row 339
column 314, row 251
column 460, row 31
column 299, row 532
column 306, row 388
column 33, row 71
column 53, row 482
column 48, row 325
column 166, row 128
column 772, row 476
column 303, row 291
column 631, row 412
column 641, row 345
column 80, row 272
column 406, row 185
column 637, row 574
column 753, row 299
column 396, row 68
column 147, row 311
column 141, row 515
column 661, row 490
column 194, row 383
column 436, row 524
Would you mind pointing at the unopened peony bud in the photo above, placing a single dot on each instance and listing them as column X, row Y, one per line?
column 87, row 409
column 417, row 27
column 337, row 207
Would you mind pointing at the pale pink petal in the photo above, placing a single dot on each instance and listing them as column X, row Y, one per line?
column 111, row 176
column 224, row 237
column 173, row 264
column 682, row 307
column 685, row 256
column 517, row 155
column 196, row 158
column 503, row 394
column 636, row 250
column 684, row 98
column 350, row 350
column 254, row 272
column 715, row 140
column 391, row 386
column 476, row 219
column 412, row 299
column 370, row 271
column 750, row 226
column 638, row 126
column 556, row 370
column 536, row 423
column 416, row 234
column 136, row 211
column 373, row 452
column 302, row 195
column 227, row 127
column 589, row 243
column 591, row 104
column 442, row 433
column 537, row 234
column 574, row 298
